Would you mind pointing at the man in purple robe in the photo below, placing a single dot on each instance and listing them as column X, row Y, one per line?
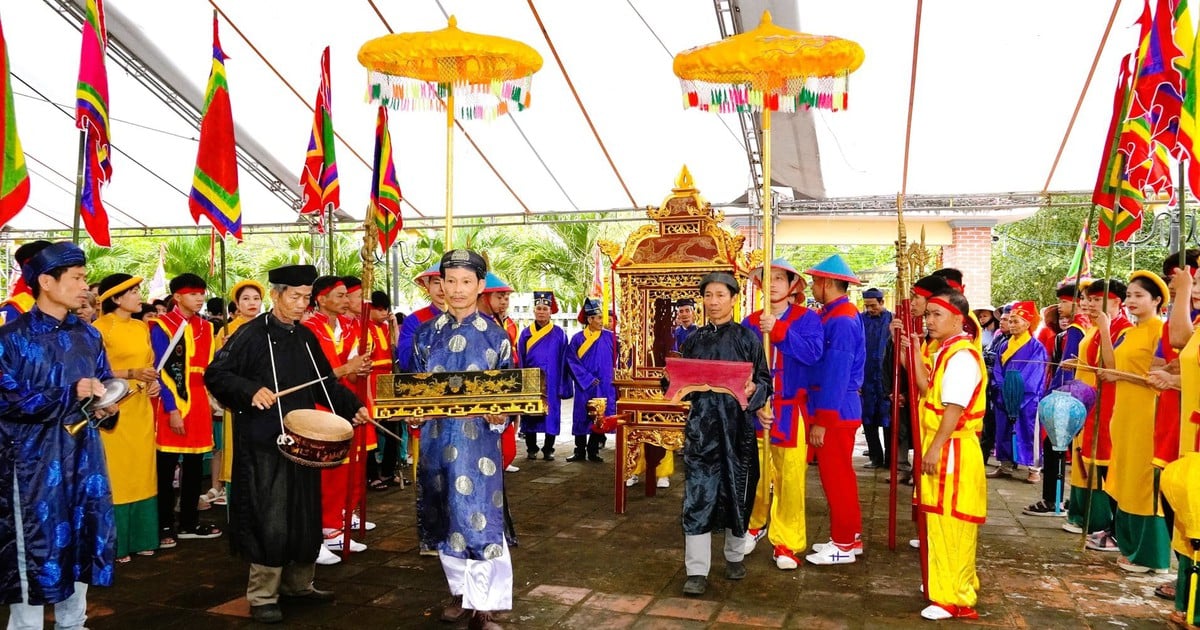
column 544, row 345
column 1019, row 381
column 590, row 358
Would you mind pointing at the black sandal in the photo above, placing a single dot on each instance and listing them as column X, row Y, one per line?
column 1165, row 591
column 203, row 531
column 378, row 484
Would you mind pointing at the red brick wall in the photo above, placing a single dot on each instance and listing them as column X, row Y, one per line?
column 971, row 253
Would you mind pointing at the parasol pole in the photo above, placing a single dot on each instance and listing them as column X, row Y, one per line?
column 768, row 258
column 448, row 244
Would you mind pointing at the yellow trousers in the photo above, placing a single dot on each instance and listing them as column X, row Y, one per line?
column 952, row 577
column 784, row 506
column 666, row 467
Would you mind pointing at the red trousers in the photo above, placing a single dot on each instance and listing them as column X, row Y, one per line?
column 508, row 444
column 335, row 483
column 839, row 481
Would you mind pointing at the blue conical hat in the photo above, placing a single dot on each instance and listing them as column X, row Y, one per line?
column 434, row 270
column 494, row 284
column 778, row 263
column 834, row 267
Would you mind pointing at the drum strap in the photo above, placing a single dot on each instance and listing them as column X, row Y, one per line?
column 317, row 371
column 284, row 439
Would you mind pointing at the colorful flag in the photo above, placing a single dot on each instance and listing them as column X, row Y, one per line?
column 1081, row 262
column 1158, row 86
column 1185, row 38
column 91, row 116
column 14, row 177
column 157, row 288
column 385, row 190
column 215, row 180
column 320, row 178
column 1123, row 221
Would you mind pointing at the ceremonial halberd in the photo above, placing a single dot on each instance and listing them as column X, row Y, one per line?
column 659, row 264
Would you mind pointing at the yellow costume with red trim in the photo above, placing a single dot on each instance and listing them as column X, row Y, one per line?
column 227, row 426
column 955, row 499
column 182, row 378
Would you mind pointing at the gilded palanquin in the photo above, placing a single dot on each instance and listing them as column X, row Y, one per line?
column 660, row 263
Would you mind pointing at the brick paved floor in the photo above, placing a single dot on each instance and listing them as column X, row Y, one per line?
column 579, row 565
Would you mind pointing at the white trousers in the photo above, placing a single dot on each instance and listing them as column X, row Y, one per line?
column 485, row 585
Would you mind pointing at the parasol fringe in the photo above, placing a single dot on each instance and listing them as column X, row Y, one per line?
column 473, row 101
column 829, row 93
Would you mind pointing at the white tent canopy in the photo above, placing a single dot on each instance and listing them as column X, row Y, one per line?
column 996, row 87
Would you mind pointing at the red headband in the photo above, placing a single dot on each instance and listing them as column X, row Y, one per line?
column 331, row 287
column 957, row 286
column 922, row 292
column 190, row 291
column 946, row 305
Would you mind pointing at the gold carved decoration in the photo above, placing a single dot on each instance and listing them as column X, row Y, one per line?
column 460, row 394
column 659, row 264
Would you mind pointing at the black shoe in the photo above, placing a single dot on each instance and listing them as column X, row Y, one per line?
column 735, row 570
column 313, row 594
column 548, row 457
column 595, row 458
column 578, row 456
column 872, row 465
column 532, row 455
column 267, row 613
column 695, row 585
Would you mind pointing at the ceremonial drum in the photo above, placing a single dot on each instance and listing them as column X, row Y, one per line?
column 315, row 438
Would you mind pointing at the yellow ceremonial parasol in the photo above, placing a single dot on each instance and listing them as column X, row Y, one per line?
column 768, row 69
column 1180, row 483
column 427, row 71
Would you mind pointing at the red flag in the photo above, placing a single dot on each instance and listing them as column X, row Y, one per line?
column 320, row 178
column 91, row 115
column 215, row 180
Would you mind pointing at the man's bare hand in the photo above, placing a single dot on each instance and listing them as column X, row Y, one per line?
column 264, row 398
column 766, row 322
column 362, row 416
column 495, row 418
column 1181, row 281
column 750, row 388
column 816, row 436
column 89, row 388
column 145, row 375
column 932, row 459
column 176, row 423
column 766, row 417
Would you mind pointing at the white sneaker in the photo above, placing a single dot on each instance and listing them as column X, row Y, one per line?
column 933, row 612
column 326, row 557
column 663, row 482
column 856, row 549
column 335, row 541
column 632, row 481
column 1068, row 526
column 831, row 554
column 512, row 468
column 915, row 543
column 354, row 523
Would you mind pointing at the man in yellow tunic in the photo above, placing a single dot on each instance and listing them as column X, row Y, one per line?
column 129, row 447
column 1140, row 530
column 953, row 488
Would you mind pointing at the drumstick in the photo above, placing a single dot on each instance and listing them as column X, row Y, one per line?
column 292, row 390
column 386, row 432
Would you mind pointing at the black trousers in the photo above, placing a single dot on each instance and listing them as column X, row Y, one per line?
column 589, row 444
column 189, row 489
column 532, row 447
column 390, row 449
column 879, row 452
column 1052, row 473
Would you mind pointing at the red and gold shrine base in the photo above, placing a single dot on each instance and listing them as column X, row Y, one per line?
column 685, row 376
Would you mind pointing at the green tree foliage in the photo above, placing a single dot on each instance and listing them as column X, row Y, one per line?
column 1031, row 257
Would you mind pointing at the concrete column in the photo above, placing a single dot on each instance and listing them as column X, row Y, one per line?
column 970, row 251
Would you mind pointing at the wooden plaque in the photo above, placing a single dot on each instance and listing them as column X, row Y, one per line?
column 705, row 375
column 460, row 394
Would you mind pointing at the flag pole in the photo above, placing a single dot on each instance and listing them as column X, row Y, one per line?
column 79, row 185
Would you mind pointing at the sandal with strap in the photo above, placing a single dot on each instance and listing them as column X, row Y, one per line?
column 204, row 531
column 378, row 485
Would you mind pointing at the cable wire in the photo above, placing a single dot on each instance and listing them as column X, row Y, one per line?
column 1082, row 94
column 571, row 85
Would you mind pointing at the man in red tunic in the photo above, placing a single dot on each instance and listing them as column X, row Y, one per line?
column 183, row 347
column 335, row 336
